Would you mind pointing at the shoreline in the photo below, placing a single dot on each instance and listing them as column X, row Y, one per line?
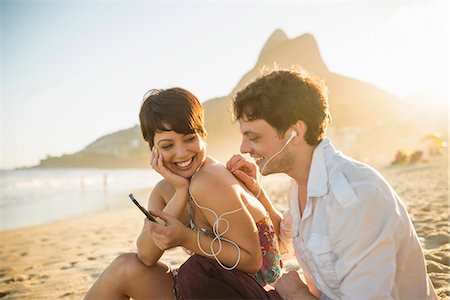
column 62, row 259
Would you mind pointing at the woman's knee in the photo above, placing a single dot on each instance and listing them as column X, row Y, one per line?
column 129, row 265
column 126, row 265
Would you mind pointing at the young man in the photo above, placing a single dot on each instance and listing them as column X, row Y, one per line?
column 351, row 233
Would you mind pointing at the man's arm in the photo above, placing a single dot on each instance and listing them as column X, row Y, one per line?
column 246, row 171
column 362, row 238
column 291, row 287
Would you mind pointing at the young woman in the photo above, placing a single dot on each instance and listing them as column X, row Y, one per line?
column 199, row 202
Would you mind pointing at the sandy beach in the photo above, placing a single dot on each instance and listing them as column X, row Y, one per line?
column 62, row 259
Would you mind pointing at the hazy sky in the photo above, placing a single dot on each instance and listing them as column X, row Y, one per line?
column 73, row 71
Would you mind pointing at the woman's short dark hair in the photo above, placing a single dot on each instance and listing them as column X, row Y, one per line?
column 282, row 98
column 174, row 109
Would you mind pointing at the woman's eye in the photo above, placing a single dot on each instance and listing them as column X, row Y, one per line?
column 191, row 139
column 165, row 147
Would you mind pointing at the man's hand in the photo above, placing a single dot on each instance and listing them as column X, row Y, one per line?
column 245, row 171
column 167, row 236
column 290, row 286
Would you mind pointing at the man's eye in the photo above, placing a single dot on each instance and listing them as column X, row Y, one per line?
column 255, row 139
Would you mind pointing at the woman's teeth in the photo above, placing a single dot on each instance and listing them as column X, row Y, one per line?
column 184, row 164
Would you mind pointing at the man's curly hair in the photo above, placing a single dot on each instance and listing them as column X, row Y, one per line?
column 282, row 98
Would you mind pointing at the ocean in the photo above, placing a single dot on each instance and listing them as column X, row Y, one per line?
column 31, row 197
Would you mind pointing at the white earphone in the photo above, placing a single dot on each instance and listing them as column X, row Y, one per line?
column 218, row 236
column 292, row 135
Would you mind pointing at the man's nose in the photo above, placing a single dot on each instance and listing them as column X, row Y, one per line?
column 245, row 147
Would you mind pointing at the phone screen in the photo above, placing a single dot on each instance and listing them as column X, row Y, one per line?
column 144, row 211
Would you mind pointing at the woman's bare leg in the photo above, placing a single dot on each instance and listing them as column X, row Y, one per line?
column 127, row 277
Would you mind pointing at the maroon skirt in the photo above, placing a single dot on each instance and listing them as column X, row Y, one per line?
column 203, row 278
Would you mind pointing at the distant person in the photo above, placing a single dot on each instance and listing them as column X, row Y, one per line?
column 206, row 208
column 350, row 231
column 105, row 183
column 82, row 184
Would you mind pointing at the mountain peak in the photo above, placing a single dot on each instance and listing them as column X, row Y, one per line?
column 303, row 51
column 308, row 41
column 276, row 38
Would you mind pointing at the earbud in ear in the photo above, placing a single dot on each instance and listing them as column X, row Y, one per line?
column 293, row 135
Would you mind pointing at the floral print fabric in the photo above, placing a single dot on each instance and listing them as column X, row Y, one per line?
column 272, row 264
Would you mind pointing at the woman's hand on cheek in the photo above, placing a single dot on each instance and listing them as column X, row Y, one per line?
column 157, row 163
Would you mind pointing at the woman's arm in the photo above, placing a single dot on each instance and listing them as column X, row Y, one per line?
column 217, row 189
column 173, row 202
column 169, row 195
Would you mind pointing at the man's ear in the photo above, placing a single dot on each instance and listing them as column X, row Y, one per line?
column 299, row 127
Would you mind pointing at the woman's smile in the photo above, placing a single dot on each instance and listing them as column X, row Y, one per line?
column 186, row 164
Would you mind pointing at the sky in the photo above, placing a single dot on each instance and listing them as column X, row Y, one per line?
column 73, row 71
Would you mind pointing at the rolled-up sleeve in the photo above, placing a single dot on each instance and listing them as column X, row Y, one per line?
column 286, row 246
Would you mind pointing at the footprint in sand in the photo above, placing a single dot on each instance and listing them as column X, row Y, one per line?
column 8, row 280
column 443, row 258
column 441, row 225
column 434, row 267
column 67, row 295
column 436, row 240
column 72, row 264
column 42, row 278
column 95, row 275
column 20, row 277
column 52, row 262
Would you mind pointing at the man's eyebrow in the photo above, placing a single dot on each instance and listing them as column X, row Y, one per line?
column 249, row 132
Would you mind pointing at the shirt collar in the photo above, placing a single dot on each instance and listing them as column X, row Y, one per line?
column 318, row 175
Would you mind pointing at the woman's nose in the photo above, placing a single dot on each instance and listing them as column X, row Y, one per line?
column 181, row 151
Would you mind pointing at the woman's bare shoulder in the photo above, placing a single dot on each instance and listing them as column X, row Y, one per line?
column 213, row 172
column 213, row 179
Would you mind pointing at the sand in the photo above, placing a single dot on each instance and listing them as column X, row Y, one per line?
column 61, row 260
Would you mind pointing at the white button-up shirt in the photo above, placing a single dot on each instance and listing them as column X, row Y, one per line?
column 355, row 239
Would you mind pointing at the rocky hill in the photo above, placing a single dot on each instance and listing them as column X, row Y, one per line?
column 368, row 123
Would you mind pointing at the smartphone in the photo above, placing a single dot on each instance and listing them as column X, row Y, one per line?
column 144, row 211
